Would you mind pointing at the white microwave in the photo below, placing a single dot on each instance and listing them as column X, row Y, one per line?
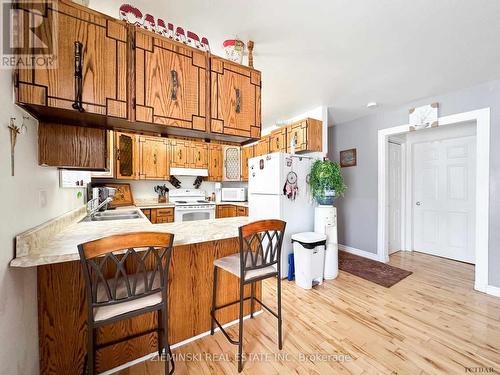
column 234, row 195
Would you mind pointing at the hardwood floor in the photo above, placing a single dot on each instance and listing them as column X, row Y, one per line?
column 432, row 322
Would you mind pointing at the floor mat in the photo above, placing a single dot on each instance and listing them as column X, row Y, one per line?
column 371, row 270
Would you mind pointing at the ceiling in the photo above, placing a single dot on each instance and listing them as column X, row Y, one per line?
column 346, row 53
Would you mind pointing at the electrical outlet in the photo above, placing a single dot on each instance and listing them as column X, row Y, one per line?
column 42, row 198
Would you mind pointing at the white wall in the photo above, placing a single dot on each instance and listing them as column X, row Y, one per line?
column 21, row 211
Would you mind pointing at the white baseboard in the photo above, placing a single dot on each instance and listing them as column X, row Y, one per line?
column 194, row 338
column 493, row 290
column 361, row 253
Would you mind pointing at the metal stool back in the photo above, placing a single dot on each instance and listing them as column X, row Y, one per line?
column 126, row 276
column 259, row 258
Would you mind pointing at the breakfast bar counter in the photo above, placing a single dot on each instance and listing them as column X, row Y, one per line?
column 62, row 310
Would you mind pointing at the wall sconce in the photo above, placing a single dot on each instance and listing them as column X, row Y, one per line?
column 14, row 132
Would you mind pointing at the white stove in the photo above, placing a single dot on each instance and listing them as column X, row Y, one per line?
column 191, row 204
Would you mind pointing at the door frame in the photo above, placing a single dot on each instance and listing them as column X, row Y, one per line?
column 482, row 119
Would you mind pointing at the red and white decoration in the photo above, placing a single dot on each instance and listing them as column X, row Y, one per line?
column 134, row 16
column 234, row 49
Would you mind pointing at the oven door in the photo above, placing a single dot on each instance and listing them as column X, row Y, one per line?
column 189, row 214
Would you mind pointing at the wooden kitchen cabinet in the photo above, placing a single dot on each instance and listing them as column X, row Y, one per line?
column 68, row 146
column 200, row 155
column 126, row 156
column 170, row 82
column 278, row 140
column 308, row 134
column 232, row 163
column 230, row 210
column 235, row 99
column 110, row 158
column 241, row 211
column 247, row 152
column 101, row 43
column 262, row 147
column 159, row 215
column 225, row 210
column 188, row 154
column 179, row 153
column 215, row 164
column 153, row 158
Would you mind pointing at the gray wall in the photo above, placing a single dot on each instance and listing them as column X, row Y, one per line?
column 358, row 209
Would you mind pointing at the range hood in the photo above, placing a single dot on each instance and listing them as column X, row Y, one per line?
column 189, row 172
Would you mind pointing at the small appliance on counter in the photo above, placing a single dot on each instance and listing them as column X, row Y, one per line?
column 234, row 195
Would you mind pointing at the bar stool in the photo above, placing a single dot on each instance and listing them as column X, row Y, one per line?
column 259, row 258
column 138, row 263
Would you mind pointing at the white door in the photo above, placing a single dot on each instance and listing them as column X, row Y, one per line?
column 444, row 198
column 395, row 181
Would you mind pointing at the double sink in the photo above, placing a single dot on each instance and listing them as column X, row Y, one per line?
column 113, row 215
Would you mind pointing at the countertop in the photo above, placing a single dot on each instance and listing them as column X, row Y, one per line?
column 62, row 247
column 151, row 203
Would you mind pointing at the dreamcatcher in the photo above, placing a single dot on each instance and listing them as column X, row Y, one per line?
column 291, row 188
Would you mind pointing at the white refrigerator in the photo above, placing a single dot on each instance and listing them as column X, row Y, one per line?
column 267, row 176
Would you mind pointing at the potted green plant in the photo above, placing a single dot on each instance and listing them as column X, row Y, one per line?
column 326, row 181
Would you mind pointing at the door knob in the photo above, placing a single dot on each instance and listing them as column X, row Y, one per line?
column 418, row 203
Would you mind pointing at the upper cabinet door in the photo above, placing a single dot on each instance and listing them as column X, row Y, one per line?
column 277, row 141
column 215, row 162
column 90, row 74
column 153, row 160
column 170, row 82
column 246, row 153
column 126, row 156
column 179, row 150
column 235, row 99
column 232, row 163
column 200, row 155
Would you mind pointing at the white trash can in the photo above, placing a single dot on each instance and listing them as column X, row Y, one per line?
column 309, row 258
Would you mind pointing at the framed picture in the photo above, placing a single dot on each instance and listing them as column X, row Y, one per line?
column 348, row 158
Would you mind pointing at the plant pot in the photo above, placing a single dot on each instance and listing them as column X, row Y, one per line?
column 162, row 199
column 328, row 198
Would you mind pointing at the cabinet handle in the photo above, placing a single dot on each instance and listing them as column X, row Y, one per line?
column 118, row 154
column 77, row 104
column 173, row 76
column 180, row 154
column 278, row 143
column 154, row 158
column 199, row 155
column 238, row 100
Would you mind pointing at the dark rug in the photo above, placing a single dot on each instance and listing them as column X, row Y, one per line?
column 371, row 270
